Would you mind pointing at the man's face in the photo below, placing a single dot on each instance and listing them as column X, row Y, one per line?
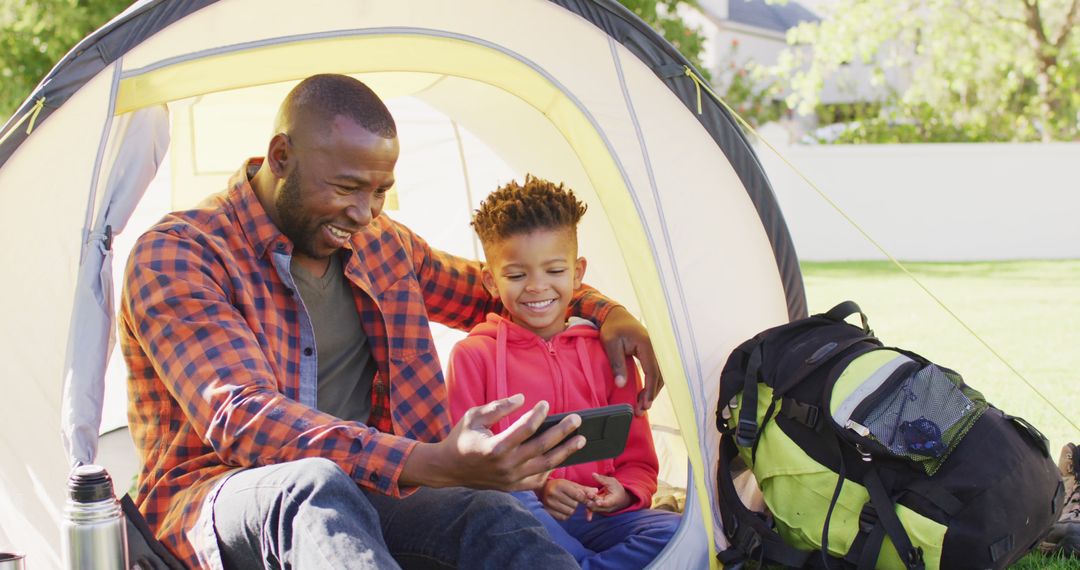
column 535, row 275
column 336, row 184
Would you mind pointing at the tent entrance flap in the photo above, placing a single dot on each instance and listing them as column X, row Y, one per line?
column 442, row 71
column 140, row 142
column 433, row 68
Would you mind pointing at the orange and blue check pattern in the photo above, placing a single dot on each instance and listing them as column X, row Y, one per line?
column 221, row 358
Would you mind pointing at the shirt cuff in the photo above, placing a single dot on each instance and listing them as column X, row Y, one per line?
column 592, row 305
column 386, row 455
column 605, row 309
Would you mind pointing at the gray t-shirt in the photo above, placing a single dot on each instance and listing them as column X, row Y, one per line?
column 346, row 369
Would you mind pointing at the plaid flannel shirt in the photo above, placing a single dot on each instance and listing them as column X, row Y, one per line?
column 221, row 356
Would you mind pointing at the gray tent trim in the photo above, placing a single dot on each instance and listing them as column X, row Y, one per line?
column 93, row 54
column 696, row 390
column 120, row 35
column 669, row 65
column 92, row 195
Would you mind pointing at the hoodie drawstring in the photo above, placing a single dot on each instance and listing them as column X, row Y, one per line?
column 500, row 369
column 586, row 365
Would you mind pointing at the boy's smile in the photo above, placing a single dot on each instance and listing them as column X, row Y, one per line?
column 535, row 275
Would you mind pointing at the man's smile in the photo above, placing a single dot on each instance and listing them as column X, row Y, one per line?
column 338, row 232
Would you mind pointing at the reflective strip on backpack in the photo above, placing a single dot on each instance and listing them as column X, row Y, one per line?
column 875, row 367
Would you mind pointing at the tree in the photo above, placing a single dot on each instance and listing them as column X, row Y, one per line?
column 749, row 89
column 663, row 16
column 35, row 34
column 975, row 69
column 741, row 85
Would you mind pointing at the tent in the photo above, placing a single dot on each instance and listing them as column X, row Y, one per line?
column 155, row 109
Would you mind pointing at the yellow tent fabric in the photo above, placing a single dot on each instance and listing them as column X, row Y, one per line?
column 484, row 91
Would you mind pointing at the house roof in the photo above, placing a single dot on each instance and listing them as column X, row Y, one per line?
column 778, row 17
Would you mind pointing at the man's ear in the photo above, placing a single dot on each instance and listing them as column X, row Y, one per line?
column 579, row 271
column 489, row 282
column 279, row 154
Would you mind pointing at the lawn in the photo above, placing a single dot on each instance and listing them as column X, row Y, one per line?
column 1028, row 311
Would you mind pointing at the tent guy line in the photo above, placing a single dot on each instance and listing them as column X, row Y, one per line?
column 701, row 84
column 32, row 114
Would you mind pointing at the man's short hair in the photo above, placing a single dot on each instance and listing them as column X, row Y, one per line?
column 328, row 95
column 517, row 209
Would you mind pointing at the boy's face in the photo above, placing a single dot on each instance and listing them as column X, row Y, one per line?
column 535, row 275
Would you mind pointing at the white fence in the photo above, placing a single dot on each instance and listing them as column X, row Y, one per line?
column 932, row 202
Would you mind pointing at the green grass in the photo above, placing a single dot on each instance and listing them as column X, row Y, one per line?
column 1028, row 311
column 1037, row 561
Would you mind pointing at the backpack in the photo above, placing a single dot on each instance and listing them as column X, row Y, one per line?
column 870, row 456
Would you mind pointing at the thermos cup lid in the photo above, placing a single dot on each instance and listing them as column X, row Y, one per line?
column 11, row 561
column 90, row 483
column 11, row 556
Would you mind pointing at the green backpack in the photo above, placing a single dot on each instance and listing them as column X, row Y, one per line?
column 873, row 457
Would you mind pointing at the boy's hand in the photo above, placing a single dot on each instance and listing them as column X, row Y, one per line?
column 612, row 496
column 561, row 497
column 624, row 336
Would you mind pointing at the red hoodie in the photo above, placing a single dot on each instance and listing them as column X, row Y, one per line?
column 570, row 371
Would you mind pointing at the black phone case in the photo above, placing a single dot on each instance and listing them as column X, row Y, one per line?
column 605, row 430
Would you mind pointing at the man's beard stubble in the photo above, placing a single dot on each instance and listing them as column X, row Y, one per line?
column 293, row 221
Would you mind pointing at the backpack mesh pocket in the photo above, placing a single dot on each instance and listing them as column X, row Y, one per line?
column 925, row 416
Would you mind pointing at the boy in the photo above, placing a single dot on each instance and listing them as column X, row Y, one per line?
column 529, row 235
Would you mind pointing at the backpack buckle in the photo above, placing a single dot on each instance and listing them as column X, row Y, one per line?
column 805, row 414
column 914, row 558
column 746, row 539
column 868, row 518
column 746, row 433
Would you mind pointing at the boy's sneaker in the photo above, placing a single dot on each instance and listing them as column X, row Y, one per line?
column 1064, row 536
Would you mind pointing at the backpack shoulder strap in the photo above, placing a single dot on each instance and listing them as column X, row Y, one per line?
column 746, row 431
column 750, row 534
column 911, row 556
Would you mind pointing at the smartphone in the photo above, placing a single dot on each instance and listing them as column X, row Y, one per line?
column 605, row 430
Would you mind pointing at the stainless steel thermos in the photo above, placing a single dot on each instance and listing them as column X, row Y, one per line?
column 94, row 530
column 11, row 561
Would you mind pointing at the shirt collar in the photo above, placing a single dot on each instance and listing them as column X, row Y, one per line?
column 256, row 224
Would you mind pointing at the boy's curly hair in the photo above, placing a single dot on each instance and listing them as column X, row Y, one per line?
column 516, row 209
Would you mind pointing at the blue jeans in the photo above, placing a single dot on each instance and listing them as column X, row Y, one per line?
column 310, row 514
column 621, row 542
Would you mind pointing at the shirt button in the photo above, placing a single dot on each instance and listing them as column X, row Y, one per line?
column 373, row 477
column 308, row 351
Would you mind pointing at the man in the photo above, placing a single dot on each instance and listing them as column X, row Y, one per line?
column 285, row 395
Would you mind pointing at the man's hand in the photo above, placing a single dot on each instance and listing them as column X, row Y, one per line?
column 562, row 497
column 623, row 336
column 473, row 456
column 612, row 496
